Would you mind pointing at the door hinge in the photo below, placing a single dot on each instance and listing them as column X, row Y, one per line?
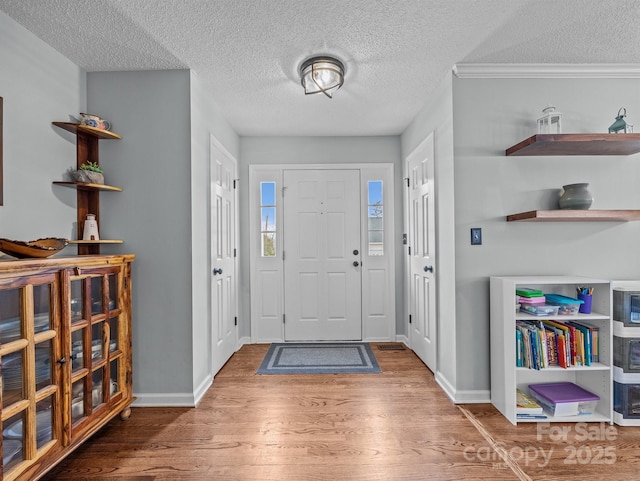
column 235, row 321
column 409, row 250
column 282, row 255
column 283, row 319
column 235, row 252
column 409, row 318
column 235, row 182
column 407, row 179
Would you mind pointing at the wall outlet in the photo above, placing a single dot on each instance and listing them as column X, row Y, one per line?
column 476, row 236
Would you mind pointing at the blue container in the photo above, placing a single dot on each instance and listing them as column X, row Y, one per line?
column 567, row 306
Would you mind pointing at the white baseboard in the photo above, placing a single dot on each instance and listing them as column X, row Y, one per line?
column 173, row 399
column 146, row 400
column 242, row 341
column 403, row 339
column 463, row 397
column 202, row 388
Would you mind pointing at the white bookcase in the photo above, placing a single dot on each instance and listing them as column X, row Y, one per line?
column 506, row 377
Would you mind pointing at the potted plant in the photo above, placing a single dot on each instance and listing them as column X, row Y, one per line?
column 89, row 173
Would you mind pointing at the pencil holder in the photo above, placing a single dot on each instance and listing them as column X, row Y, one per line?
column 585, row 307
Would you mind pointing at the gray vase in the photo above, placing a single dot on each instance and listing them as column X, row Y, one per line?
column 575, row 196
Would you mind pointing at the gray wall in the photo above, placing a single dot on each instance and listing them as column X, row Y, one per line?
column 39, row 86
column 152, row 165
column 491, row 115
column 437, row 117
column 162, row 164
column 314, row 150
column 206, row 121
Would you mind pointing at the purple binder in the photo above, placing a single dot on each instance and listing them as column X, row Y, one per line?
column 563, row 392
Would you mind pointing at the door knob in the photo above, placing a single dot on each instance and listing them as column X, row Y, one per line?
column 356, row 263
column 428, row 269
column 217, row 270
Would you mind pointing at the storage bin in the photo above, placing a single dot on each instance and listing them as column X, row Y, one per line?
column 626, row 353
column 564, row 398
column 539, row 309
column 626, row 394
column 567, row 306
column 626, row 399
column 532, row 300
column 626, row 307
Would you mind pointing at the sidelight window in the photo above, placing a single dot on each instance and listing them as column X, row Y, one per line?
column 375, row 218
column 268, row 219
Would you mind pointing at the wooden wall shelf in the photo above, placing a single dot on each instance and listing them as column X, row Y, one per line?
column 577, row 144
column 87, row 194
column 565, row 215
column 84, row 186
column 75, row 128
column 101, row 241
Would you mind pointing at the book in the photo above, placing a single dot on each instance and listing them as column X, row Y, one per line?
column 526, row 404
column 531, row 416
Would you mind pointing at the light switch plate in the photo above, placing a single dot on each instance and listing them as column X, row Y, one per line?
column 476, row 236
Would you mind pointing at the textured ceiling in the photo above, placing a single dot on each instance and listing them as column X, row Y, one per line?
column 247, row 52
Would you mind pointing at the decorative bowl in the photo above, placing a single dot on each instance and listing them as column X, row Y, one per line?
column 38, row 248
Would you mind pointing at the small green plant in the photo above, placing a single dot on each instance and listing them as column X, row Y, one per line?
column 92, row 166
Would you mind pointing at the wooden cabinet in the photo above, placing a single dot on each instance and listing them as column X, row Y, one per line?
column 88, row 195
column 506, row 377
column 65, row 356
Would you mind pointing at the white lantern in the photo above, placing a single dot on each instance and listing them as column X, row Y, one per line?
column 550, row 122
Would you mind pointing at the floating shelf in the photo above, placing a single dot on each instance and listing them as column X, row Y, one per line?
column 566, row 215
column 577, row 144
column 75, row 128
column 85, row 186
column 101, row 241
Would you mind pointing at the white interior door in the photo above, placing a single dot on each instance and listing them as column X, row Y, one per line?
column 422, row 288
column 223, row 266
column 322, row 274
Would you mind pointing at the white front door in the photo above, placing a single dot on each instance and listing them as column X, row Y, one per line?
column 223, row 266
column 422, row 288
column 322, row 274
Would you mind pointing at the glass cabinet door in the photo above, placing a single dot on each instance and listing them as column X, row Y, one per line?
column 29, row 351
column 96, row 324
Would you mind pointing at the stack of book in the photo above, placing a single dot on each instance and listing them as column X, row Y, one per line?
column 545, row 343
column 527, row 407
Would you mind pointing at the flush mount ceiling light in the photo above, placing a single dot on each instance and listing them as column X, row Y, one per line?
column 321, row 74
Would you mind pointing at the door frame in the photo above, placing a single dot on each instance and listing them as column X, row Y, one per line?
column 267, row 273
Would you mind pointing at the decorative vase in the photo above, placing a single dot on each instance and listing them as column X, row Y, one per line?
column 90, row 231
column 575, row 196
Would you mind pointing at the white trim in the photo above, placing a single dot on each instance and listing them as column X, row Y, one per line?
column 481, row 396
column 164, row 400
column 534, row 70
column 202, row 389
column 403, row 339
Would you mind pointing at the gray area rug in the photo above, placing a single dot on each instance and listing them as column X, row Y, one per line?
column 319, row 358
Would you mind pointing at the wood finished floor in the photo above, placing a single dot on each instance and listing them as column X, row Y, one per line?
column 397, row 425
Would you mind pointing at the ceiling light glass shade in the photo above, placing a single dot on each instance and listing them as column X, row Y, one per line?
column 321, row 74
